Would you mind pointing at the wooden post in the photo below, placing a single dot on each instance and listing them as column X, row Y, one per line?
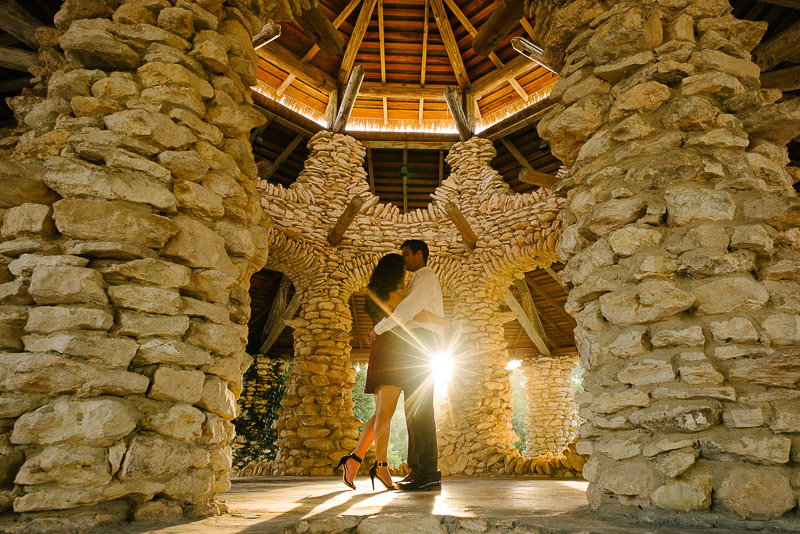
column 272, row 167
column 554, row 276
column 778, row 48
column 784, row 79
column 345, row 220
column 356, row 36
column 270, row 32
column 463, row 227
column 348, row 99
column 287, row 61
column 530, row 307
column 441, row 166
column 279, row 313
column 370, row 172
column 16, row 20
column 534, row 177
column 15, row 84
column 17, row 59
column 497, row 27
column 450, row 43
column 457, row 111
column 526, row 323
column 331, row 108
column 319, row 29
column 470, row 106
column 530, row 51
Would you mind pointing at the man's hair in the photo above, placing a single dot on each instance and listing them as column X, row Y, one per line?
column 417, row 245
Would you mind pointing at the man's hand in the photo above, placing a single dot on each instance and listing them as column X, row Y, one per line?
column 371, row 336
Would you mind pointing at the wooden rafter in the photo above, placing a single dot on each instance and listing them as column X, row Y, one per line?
column 526, row 323
column 279, row 313
column 15, row 84
column 270, row 168
column 411, row 92
column 370, row 171
column 356, row 37
column 351, row 5
column 348, row 99
column 516, row 153
column 268, row 33
column 529, row 30
column 558, row 307
column 516, row 67
column 794, row 4
column 287, row 61
column 497, row 27
column 784, row 79
column 385, row 110
column 441, row 166
column 317, row 26
column 457, row 111
column 404, row 173
column 400, row 144
column 462, row 225
column 778, row 48
column 554, row 276
column 382, row 41
column 530, row 307
column 424, row 46
column 16, row 20
column 345, row 220
column 17, row 59
column 534, row 177
column 356, row 322
column 450, row 44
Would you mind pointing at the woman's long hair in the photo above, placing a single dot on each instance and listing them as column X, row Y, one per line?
column 387, row 277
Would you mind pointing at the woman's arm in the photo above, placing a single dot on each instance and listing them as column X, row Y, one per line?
column 427, row 317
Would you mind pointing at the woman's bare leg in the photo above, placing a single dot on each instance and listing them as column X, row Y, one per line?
column 364, row 441
column 385, row 405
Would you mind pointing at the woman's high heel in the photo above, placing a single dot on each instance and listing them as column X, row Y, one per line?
column 343, row 464
column 373, row 474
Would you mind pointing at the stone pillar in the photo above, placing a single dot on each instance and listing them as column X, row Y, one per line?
column 130, row 230
column 681, row 236
column 551, row 419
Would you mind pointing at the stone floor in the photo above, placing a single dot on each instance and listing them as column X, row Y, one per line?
column 324, row 504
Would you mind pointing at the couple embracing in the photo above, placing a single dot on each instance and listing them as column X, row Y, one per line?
column 407, row 328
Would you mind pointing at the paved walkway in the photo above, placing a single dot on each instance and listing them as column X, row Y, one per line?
column 282, row 504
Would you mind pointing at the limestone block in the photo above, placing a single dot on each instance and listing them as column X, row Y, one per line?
column 170, row 351
column 785, row 295
column 224, row 340
column 778, row 369
column 198, row 127
column 676, row 462
column 752, row 237
column 714, row 262
column 155, row 73
column 646, row 372
column 199, row 246
column 613, row 214
column 67, row 465
column 214, row 429
column 43, row 115
column 96, row 422
column 178, row 421
column 200, row 308
column 649, row 301
column 15, row 292
column 678, row 416
column 779, row 122
column 627, row 478
column 71, row 178
column 194, row 199
column 626, row 241
column 212, row 285
column 133, row 14
column 93, row 46
column 588, row 261
column 691, row 336
column 239, row 239
column 21, row 183
column 712, row 83
column 738, row 330
column 782, row 329
column 67, row 285
column 568, row 129
column 151, row 271
column 787, row 419
column 186, row 165
column 73, row 83
column 742, row 417
column 684, row 495
column 114, row 351
column 744, row 489
column 27, row 219
column 695, row 368
column 156, row 511
column 615, row 401
column 50, row 319
column 194, row 486
column 644, row 97
column 140, row 325
column 619, row 449
column 730, row 295
column 704, row 235
column 688, row 204
column 155, row 456
column 99, row 220
column 630, row 343
column 158, row 126
column 390, row 524
column 26, row 263
column 759, row 446
column 782, row 269
column 146, row 299
column 625, row 33
column 176, row 385
column 124, row 159
column 56, row 498
column 218, row 399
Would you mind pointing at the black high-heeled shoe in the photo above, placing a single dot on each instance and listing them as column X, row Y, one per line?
column 343, row 464
column 373, row 474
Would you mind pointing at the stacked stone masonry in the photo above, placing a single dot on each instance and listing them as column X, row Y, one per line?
column 682, row 246
column 551, row 419
column 130, row 229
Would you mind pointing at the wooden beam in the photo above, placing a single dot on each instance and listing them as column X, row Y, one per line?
column 331, row 108
column 370, row 172
column 450, row 44
column 535, row 39
column 424, row 50
column 778, row 48
column 382, row 40
column 554, row 276
column 16, row 20
column 421, row 109
column 463, row 227
column 385, row 110
column 530, row 51
column 409, row 145
column 526, row 324
column 345, row 220
column 317, row 26
column 279, row 314
column 287, row 61
column 784, row 79
column 17, row 59
column 404, row 174
column 272, row 167
column 356, row 37
column 534, row 177
column 457, row 111
column 441, row 166
column 270, row 32
column 794, row 4
column 470, row 106
column 354, row 313
column 285, row 116
column 404, row 91
column 530, row 307
column 558, row 307
column 517, row 154
column 524, row 118
column 497, row 27
column 14, row 85
column 348, row 99
column 514, row 68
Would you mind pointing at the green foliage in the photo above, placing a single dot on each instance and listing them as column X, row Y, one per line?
column 255, row 422
column 364, row 408
column 519, row 405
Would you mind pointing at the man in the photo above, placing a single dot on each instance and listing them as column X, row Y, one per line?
column 423, row 294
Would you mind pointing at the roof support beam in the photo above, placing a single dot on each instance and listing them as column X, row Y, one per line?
column 14, row 85
column 345, row 220
column 279, row 313
column 554, row 276
column 534, row 177
column 516, row 153
column 17, row 59
column 408, row 145
column 784, row 79
column 272, row 167
column 530, row 307
column 348, row 99
column 404, row 173
column 516, row 67
column 370, row 172
column 558, row 307
column 270, row 32
column 457, row 111
column 285, row 60
column 450, row 44
column 16, row 20
column 462, row 225
column 526, row 323
column 410, row 92
column 382, row 39
column 424, row 46
column 530, row 31
column 317, row 26
column 530, row 51
column 355, row 39
column 778, row 48
column 441, row 166
column 794, row 4
column 497, row 27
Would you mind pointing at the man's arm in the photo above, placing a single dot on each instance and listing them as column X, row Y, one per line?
column 413, row 303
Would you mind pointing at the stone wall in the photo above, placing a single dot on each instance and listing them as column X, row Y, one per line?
column 516, row 233
column 130, row 228
column 551, row 419
column 682, row 246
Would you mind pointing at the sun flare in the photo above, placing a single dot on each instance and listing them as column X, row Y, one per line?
column 442, row 364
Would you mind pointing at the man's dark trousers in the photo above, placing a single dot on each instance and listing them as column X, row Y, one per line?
column 423, row 452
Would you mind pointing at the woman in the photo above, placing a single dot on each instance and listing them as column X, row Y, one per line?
column 384, row 370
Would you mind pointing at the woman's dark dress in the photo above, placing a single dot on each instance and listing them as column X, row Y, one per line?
column 385, row 366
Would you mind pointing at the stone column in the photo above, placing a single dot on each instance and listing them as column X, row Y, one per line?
column 130, row 230
column 551, row 419
column 681, row 236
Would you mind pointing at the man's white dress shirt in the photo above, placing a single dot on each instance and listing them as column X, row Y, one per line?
column 423, row 294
